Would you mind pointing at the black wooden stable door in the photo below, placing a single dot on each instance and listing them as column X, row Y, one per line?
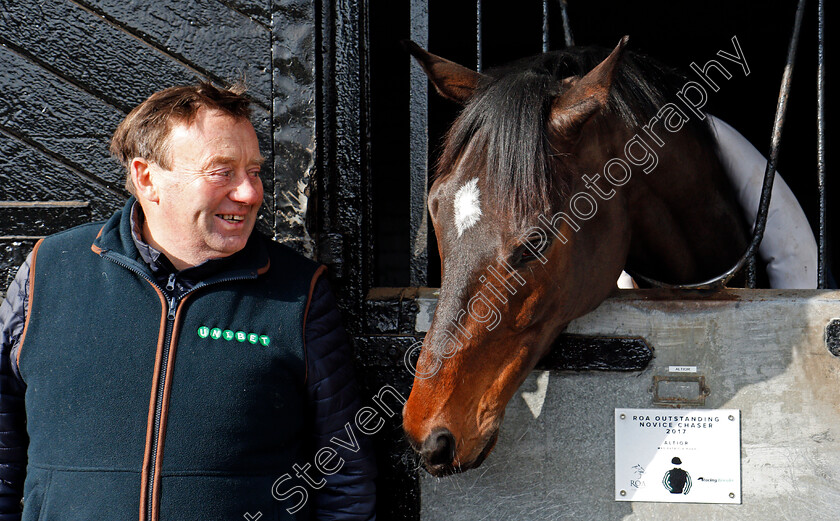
column 70, row 70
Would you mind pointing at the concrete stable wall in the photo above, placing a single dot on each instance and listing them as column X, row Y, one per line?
column 761, row 351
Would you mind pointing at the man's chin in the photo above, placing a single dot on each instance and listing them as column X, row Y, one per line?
column 227, row 245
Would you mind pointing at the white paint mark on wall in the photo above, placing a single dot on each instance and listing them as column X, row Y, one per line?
column 467, row 206
column 535, row 400
column 625, row 281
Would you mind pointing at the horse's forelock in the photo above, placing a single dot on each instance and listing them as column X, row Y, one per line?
column 505, row 122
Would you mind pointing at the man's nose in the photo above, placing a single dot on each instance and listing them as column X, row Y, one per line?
column 248, row 190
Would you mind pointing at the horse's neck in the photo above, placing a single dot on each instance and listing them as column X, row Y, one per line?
column 686, row 224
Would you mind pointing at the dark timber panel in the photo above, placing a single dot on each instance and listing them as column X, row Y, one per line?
column 222, row 43
column 54, row 115
column 28, row 174
column 293, row 66
column 72, row 69
column 13, row 252
column 28, row 219
column 258, row 10
column 344, row 241
column 107, row 61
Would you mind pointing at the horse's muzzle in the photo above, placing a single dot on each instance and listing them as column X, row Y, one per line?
column 438, row 448
column 438, row 453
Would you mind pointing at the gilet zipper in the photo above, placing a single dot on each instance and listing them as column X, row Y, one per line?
column 172, row 303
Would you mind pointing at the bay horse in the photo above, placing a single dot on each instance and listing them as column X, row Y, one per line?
column 546, row 188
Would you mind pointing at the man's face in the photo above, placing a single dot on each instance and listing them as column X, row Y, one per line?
column 209, row 199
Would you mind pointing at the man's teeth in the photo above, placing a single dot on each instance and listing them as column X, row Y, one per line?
column 233, row 217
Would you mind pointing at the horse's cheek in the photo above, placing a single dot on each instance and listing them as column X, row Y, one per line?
column 528, row 311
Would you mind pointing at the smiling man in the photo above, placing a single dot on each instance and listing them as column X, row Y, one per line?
column 201, row 202
column 172, row 362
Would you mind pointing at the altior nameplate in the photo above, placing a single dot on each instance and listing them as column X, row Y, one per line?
column 678, row 455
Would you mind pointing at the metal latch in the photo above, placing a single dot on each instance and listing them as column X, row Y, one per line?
column 832, row 336
column 680, row 391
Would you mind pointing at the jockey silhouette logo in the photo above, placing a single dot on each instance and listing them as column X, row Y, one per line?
column 677, row 480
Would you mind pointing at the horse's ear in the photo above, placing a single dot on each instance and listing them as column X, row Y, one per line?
column 585, row 97
column 451, row 80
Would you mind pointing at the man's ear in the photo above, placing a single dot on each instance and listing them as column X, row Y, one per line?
column 451, row 80
column 586, row 97
column 144, row 180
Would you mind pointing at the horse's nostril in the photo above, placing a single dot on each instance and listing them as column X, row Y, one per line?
column 439, row 447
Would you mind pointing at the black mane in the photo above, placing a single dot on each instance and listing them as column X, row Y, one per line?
column 508, row 114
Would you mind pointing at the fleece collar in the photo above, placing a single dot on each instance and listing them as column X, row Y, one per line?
column 117, row 241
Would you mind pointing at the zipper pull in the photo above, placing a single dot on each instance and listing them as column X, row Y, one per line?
column 172, row 305
column 170, row 284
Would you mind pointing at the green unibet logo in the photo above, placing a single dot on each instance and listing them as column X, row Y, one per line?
column 228, row 334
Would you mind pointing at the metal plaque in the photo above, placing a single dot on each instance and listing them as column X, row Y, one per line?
column 678, row 455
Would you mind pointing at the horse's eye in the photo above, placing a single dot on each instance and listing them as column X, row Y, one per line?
column 529, row 249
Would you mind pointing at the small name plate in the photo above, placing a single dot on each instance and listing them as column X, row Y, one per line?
column 678, row 455
column 682, row 369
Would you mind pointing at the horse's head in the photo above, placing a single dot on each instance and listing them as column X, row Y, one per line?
column 518, row 264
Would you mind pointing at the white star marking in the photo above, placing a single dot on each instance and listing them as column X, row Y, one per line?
column 467, row 206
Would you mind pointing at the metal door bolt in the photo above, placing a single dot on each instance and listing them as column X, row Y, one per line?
column 832, row 336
